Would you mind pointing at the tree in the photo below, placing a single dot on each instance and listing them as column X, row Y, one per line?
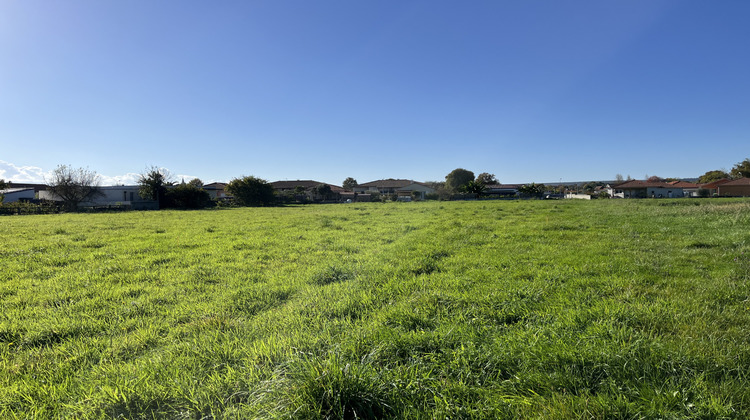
column 187, row 196
column 196, row 182
column 458, row 178
column 154, row 184
column 654, row 178
column 619, row 178
column 324, row 191
column 349, row 184
column 74, row 185
column 474, row 187
column 531, row 189
column 741, row 169
column 486, row 179
column 251, row 191
column 712, row 176
column 3, row 185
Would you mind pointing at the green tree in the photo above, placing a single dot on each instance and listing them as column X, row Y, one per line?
column 486, row 179
column 741, row 169
column 712, row 176
column 187, row 196
column 154, row 184
column 251, row 191
column 73, row 185
column 196, row 182
column 458, row 178
column 349, row 184
column 475, row 188
column 324, row 191
column 3, row 185
column 532, row 190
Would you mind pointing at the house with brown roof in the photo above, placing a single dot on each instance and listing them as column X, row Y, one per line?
column 712, row 188
column 304, row 189
column 649, row 189
column 216, row 190
column 401, row 187
column 736, row 188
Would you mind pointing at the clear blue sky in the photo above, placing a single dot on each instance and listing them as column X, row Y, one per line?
column 528, row 90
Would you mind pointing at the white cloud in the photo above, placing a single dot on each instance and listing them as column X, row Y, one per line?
column 27, row 174
column 127, row 179
column 36, row 175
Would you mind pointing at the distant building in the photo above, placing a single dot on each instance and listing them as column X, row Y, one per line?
column 649, row 189
column 737, row 188
column 216, row 190
column 500, row 190
column 115, row 196
column 11, row 195
column 401, row 187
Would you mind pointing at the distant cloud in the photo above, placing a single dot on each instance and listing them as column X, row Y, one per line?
column 29, row 174
column 127, row 179
column 36, row 175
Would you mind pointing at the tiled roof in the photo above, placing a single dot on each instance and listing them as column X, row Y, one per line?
column 741, row 181
column 635, row 184
column 304, row 183
column 217, row 185
column 390, row 183
column 684, row 184
column 714, row 184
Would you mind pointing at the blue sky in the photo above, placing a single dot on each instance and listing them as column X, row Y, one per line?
column 528, row 90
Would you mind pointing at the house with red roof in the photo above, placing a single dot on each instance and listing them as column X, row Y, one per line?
column 736, row 188
column 652, row 189
column 713, row 187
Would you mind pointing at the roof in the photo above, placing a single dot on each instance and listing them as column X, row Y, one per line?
column 715, row 184
column 637, row 184
column 304, row 183
column 391, row 183
column 15, row 190
column 215, row 185
column 501, row 186
column 684, row 184
column 737, row 182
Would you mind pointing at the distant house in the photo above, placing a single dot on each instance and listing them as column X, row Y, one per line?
column 713, row 187
column 305, row 187
column 11, row 195
column 737, row 188
column 115, row 196
column 36, row 187
column 306, row 184
column 403, row 188
column 216, row 190
column 689, row 189
column 649, row 189
column 499, row 190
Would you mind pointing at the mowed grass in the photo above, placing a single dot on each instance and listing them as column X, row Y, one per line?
column 492, row 309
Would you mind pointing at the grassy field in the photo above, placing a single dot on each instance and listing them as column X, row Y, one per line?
column 502, row 309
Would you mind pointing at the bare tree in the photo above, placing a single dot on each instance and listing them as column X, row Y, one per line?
column 74, row 185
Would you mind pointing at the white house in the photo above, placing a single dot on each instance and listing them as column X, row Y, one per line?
column 117, row 195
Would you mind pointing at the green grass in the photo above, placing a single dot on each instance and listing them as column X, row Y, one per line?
column 502, row 309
